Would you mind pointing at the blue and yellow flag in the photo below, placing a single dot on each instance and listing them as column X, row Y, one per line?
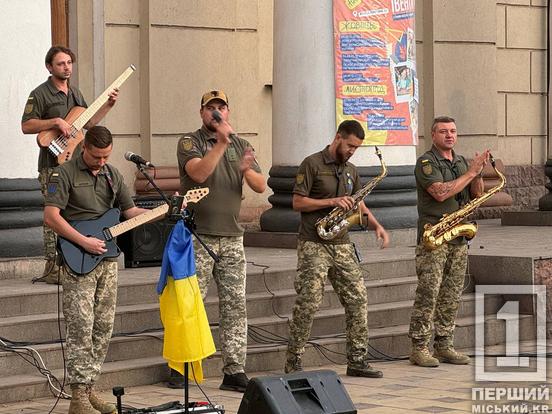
column 187, row 334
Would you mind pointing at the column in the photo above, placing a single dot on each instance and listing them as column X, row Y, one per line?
column 304, row 120
column 545, row 202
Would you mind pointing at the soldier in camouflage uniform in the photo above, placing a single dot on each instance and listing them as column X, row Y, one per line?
column 46, row 108
column 84, row 188
column 326, row 180
column 444, row 183
column 214, row 157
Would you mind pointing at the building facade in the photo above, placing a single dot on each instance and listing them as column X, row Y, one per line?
column 482, row 62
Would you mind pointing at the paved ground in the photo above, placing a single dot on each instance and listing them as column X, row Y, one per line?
column 491, row 239
column 405, row 388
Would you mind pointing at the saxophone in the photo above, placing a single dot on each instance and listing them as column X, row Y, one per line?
column 337, row 222
column 451, row 225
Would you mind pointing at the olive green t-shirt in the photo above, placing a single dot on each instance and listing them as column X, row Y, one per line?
column 47, row 102
column 321, row 177
column 83, row 196
column 430, row 168
column 217, row 214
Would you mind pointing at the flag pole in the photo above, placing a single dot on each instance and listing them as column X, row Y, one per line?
column 186, row 391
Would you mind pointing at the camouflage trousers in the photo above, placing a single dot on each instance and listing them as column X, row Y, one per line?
column 89, row 309
column 441, row 275
column 50, row 237
column 229, row 276
column 315, row 261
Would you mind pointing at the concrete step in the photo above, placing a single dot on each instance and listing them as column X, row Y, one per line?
column 47, row 326
column 19, row 297
column 269, row 262
column 328, row 322
column 18, row 268
column 281, row 302
column 363, row 239
column 127, row 373
column 132, row 318
column 384, row 343
column 138, row 346
column 388, row 341
column 276, row 277
column 331, row 320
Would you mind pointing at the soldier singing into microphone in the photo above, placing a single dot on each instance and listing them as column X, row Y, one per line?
column 215, row 157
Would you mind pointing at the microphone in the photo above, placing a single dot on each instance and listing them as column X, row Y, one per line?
column 136, row 159
column 218, row 117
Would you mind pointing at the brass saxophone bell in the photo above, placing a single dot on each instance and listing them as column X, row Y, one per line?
column 357, row 218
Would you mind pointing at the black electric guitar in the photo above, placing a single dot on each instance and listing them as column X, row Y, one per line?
column 107, row 227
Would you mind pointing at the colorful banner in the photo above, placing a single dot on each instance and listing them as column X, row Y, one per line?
column 375, row 69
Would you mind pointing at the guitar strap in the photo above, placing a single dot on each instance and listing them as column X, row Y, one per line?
column 109, row 179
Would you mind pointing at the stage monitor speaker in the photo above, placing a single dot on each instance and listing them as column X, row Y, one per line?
column 314, row 392
column 143, row 246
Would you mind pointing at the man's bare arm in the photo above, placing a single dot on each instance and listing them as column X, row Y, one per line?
column 443, row 191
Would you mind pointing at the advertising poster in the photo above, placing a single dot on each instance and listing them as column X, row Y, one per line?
column 375, row 69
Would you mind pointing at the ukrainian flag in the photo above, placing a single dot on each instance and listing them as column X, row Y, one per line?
column 187, row 334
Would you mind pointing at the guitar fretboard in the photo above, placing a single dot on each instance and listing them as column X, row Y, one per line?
column 81, row 121
column 192, row 196
column 129, row 224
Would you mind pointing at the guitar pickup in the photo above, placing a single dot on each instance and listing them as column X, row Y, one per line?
column 107, row 234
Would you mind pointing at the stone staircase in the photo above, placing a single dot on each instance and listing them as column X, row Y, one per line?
column 29, row 313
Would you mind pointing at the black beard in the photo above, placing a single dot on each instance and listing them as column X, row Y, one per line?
column 341, row 159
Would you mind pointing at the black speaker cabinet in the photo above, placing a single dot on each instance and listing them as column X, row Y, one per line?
column 314, row 392
column 143, row 246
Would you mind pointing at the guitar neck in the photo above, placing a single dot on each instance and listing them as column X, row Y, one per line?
column 192, row 196
column 129, row 224
column 81, row 121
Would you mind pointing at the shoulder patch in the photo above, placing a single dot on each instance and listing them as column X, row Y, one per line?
column 187, row 144
column 52, row 187
column 28, row 108
column 427, row 169
column 300, row 178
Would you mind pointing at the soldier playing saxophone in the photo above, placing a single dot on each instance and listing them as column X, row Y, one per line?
column 444, row 183
column 326, row 180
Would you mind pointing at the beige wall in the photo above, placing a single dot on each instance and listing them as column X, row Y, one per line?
column 483, row 62
column 521, row 74
column 181, row 50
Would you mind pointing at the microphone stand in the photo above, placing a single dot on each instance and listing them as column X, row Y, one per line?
column 142, row 168
column 186, row 216
column 188, row 219
column 190, row 225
